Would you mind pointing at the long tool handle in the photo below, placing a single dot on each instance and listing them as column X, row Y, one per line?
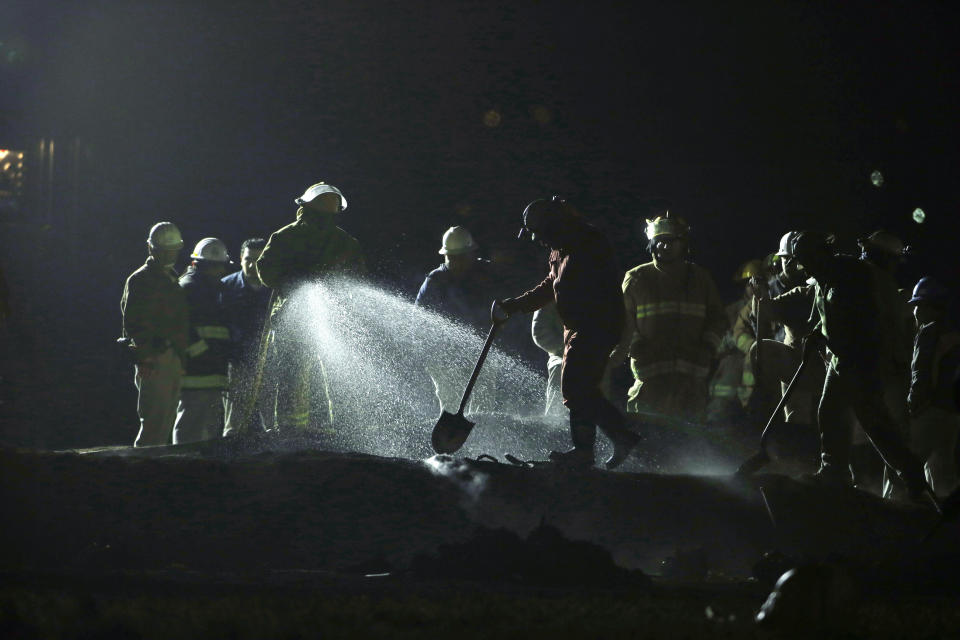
column 476, row 370
column 783, row 400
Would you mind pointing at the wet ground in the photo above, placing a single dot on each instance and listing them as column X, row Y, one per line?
column 248, row 542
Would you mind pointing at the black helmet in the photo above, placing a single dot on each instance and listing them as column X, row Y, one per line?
column 544, row 215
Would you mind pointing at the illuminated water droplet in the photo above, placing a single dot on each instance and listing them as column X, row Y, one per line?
column 919, row 215
column 492, row 118
column 876, row 178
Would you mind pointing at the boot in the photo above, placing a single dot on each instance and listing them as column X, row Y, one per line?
column 583, row 434
column 622, row 448
column 613, row 426
column 830, row 475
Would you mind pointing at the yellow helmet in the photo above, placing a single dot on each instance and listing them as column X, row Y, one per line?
column 748, row 269
column 667, row 225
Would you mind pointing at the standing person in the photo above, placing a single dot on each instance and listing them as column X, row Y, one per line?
column 847, row 302
column 789, row 306
column 936, row 354
column 675, row 324
column 200, row 413
column 245, row 299
column 461, row 289
column 547, row 331
column 312, row 247
column 583, row 283
column 155, row 326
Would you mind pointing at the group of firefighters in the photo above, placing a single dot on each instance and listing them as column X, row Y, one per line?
column 873, row 378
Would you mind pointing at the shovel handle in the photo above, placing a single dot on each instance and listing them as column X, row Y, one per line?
column 784, row 398
column 476, row 370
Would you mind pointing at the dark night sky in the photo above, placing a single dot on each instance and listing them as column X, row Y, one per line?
column 752, row 117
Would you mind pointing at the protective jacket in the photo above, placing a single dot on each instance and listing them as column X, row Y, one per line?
column 305, row 250
column 676, row 320
column 154, row 311
column 936, row 356
column 848, row 304
column 210, row 346
column 583, row 282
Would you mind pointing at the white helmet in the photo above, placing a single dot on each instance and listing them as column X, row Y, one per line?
column 457, row 240
column 165, row 236
column 318, row 189
column 211, row 250
column 786, row 250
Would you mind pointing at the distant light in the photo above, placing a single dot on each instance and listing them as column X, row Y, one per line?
column 541, row 114
column 919, row 216
column 492, row 118
column 876, row 178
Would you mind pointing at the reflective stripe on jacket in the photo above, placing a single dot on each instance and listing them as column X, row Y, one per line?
column 676, row 320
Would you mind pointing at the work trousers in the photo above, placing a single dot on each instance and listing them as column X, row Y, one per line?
column 778, row 364
column 199, row 415
column 678, row 395
column 242, row 382
column 585, row 358
column 858, row 395
column 300, row 375
column 934, row 440
column 158, row 387
column 554, row 395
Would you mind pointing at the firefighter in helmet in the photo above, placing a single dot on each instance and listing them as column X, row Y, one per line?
column 675, row 324
column 310, row 248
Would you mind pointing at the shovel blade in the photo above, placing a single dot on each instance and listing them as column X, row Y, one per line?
column 450, row 432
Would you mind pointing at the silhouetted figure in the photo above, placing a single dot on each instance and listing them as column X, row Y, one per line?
column 245, row 299
column 847, row 300
column 936, row 356
column 204, row 386
column 155, row 325
column 308, row 249
column 461, row 289
column 583, row 283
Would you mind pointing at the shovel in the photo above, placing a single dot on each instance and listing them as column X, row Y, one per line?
column 757, row 461
column 452, row 430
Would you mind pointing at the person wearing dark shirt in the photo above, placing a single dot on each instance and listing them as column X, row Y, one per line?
column 847, row 300
column 583, row 281
column 245, row 302
column 461, row 289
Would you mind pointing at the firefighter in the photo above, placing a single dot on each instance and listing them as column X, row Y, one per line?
column 675, row 324
column 200, row 413
column 155, row 325
column 791, row 310
column 245, row 303
column 732, row 380
column 936, row 354
column 582, row 281
column 309, row 248
column 847, row 300
column 461, row 289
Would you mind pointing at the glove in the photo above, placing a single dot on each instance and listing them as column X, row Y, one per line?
column 500, row 311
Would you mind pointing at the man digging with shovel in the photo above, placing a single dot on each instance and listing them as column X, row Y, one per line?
column 585, row 284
